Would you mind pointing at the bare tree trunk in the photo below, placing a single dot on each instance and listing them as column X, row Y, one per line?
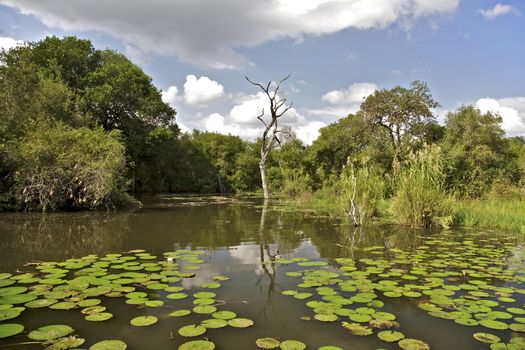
column 262, row 168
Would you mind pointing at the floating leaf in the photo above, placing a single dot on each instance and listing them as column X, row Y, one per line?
column 99, row 316
column 214, row 323
column 413, row 344
column 390, row 336
column 224, row 315
column 197, row 345
column 180, row 313
column 109, row 345
column 10, row 329
column 143, row 321
column 192, row 330
column 65, row 343
column 50, row 332
column 240, row 322
column 486, row 337
column 292, row 345
column 267, row 343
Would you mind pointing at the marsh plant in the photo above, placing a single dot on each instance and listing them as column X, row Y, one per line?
column 421, row 200
column 361, row 191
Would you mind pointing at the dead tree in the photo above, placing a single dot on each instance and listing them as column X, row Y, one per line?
column 270, row 136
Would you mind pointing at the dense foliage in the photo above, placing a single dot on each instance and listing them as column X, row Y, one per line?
column 81, row 127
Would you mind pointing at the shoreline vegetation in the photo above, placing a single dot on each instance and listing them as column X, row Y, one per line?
column 86, row 129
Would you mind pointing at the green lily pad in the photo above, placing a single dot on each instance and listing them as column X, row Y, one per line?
column 180, row 313
column 240, row 322
column 486, row 338
column 99, row 316
column 66, row 343
column 357, row 329
column 292, row 345
column 204, row 295
column 204, row 309
column 390, row 336
column 50, row 332
column 267, row 343
column 109, row 345
column 214, row 323
column 197, row 345
column 326, row 317
column 192, row 330
column 10, row 329
column 8, row 314
column 177, row 296
column 413, row 344
column 143, row 321
column 224, row 315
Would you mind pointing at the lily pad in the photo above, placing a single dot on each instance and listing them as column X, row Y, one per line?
column 214, row 323
column 224, row 315
column 390, row 336
column 267, row 343
column 10, row 329
column 197, row 345
column 109, row 345
column 180, row 313
column 486, row 338
column 292, row 345
column 413, row 344
column 143, row 321
column 99, row 316
column 192, row 330
column 240, row 322
column 50, row 332
column 66, row 343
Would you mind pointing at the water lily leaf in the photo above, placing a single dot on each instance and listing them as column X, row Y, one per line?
column 88, row 302
column 203, row 301
column 517, row 327
column 143, row 321
column 204, row 309
column 330, row 347
column 486, row 338
column 326, row 317
column 192, row 330
column 180, row 313
column 64, row 305
column 224, row 315
column 99, row 316
column 10, row 313
column 214, row 323
column 50, row 332
column 357, row 329
column 240, row 322
column 204, row 295
column 492, row 324
column 10, row 329
column 413, row 344
column 292, row 345
column 267, row 343
column 390, row 336
column 109, row 345
column 197, row 345
column 65, row 343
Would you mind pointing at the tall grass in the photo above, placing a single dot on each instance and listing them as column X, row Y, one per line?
column 420, row 199
column 507, row 214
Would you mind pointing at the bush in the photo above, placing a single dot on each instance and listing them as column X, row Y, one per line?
column 420, row 199
column 58, row 167
column 365, row 185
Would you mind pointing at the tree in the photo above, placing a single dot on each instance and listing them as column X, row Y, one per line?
column 406, row 115
column 477, row 152
column 270, row 137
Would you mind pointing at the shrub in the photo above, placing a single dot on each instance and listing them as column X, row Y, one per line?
column 420, row 199
column 58, row 167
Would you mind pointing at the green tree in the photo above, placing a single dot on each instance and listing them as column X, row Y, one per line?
column 476, row 151
column 405, row 114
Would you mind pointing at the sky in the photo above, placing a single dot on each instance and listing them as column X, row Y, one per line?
column 198, row 53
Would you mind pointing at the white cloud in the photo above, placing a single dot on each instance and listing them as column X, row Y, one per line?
column 8, row 43
column 207, row 32
column 498, row 10
column 242, row 120
column 171, row 95
column 355, row 93
column 201, row 91
column 511, row 110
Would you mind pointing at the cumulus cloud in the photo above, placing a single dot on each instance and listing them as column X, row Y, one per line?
column 511, row 110
column 498, row 10
column 207, row 32
column 355, row 93
column 7, row 43
column 171, row 95
column 201, row 91
column 242, row 120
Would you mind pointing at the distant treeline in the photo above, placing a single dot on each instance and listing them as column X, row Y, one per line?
column 82, row 128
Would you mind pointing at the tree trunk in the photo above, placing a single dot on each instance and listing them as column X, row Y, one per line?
column 262, row 168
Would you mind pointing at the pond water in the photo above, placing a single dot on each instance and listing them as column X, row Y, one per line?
column 295, row 275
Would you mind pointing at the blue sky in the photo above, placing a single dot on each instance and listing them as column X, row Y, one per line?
column 338, row 51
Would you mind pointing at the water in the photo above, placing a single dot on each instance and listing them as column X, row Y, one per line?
column 241, row 241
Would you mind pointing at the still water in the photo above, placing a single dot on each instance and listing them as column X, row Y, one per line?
column 386, row 269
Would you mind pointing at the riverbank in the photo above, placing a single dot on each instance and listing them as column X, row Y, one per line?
column 505, row 214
